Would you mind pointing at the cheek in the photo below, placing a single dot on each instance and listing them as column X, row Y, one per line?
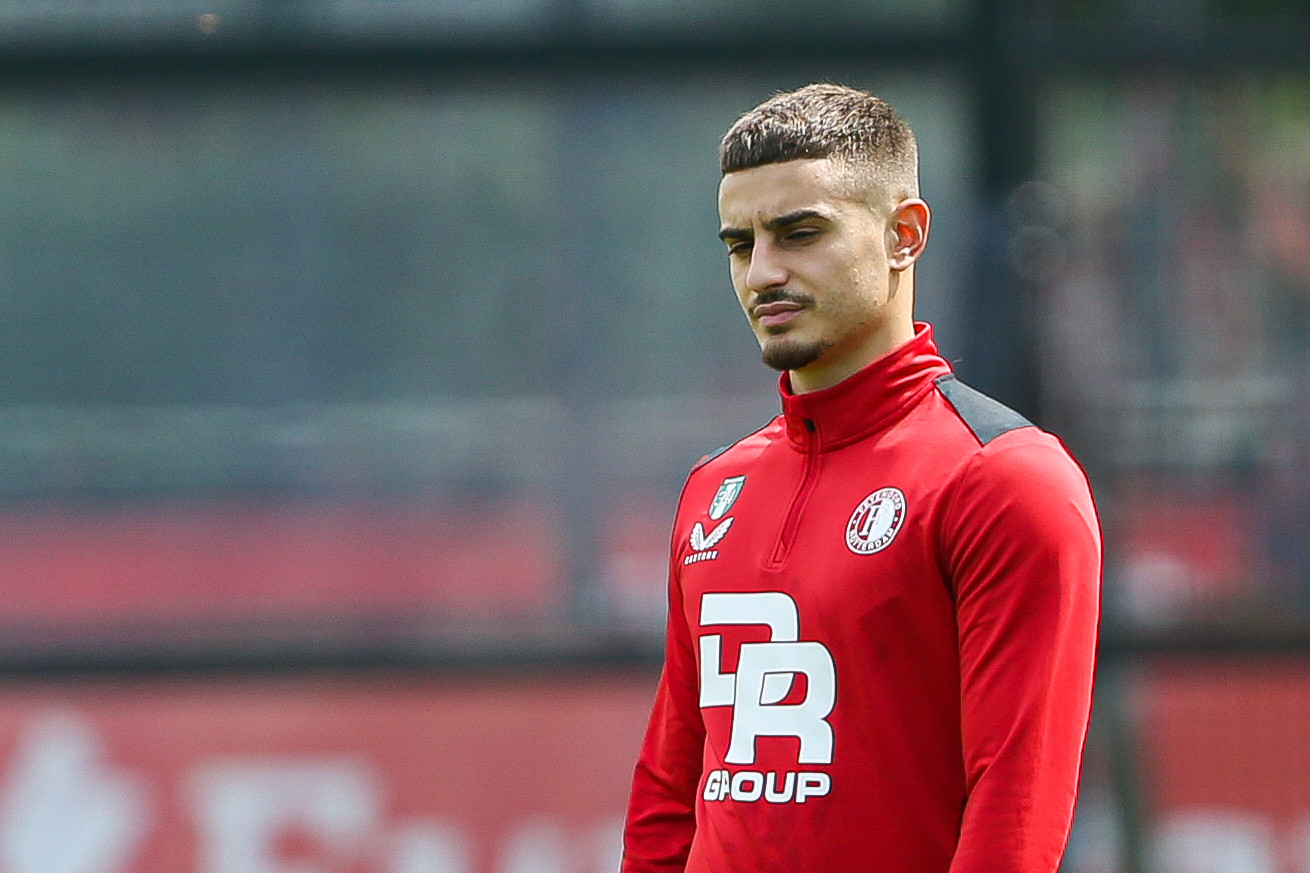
column 740, row 291
column 735, row 276
column 869, row 279
column 742, row 297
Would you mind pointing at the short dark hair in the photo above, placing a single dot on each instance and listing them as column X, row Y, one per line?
column 827, row 121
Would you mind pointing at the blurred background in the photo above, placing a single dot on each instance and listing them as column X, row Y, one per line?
column 352, row 354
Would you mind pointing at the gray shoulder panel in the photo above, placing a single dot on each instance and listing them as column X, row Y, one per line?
column 987, row 418
column 711, row 456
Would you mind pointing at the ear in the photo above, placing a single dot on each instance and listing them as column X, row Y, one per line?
column 907, row 231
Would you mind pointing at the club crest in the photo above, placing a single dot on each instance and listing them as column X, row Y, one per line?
column 727, row 494
column 876, row 521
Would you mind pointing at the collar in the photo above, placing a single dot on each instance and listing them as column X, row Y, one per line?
column 865, row 401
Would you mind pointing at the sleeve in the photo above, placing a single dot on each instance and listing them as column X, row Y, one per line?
column 661, row 817
column 1024, row 551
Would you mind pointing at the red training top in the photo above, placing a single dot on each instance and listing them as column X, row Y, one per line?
column 880, row 644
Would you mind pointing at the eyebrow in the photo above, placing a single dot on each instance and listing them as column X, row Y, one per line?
column 782, row 222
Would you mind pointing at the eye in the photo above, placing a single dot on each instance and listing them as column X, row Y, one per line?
column 739, row 248
column 803, row 234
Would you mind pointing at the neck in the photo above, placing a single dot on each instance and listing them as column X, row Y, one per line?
column 824, row 374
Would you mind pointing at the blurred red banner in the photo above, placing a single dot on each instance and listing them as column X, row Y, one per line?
column 318, row 776
column 1226, row 765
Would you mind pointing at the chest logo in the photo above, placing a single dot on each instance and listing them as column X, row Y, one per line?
column 726, row 496
column 876, row 521
column 700, row 541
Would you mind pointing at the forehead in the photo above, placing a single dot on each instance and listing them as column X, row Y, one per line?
column 765, row 192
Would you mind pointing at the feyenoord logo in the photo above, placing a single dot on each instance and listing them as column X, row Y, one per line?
column 876, row 521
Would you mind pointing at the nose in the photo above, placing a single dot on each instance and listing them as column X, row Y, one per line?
column 766, row 268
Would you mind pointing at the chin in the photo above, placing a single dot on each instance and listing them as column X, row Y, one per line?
column 790, row 354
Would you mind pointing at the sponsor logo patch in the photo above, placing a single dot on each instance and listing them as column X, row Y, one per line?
column 700, row 541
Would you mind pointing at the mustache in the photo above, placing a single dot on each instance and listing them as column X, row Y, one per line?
column 782, row 295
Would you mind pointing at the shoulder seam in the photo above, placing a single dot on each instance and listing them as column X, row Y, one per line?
column 985, row 417
column 705, row 459
column 711, row 456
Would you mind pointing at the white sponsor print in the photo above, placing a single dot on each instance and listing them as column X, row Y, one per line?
column 763, row 679
column 700, row 541
column 748, row 786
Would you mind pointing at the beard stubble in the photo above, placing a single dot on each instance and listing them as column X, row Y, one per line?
column 781, row 353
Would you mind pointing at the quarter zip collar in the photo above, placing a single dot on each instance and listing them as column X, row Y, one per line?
column 867, row 401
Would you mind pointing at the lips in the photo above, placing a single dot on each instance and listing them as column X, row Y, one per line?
column 771, row 315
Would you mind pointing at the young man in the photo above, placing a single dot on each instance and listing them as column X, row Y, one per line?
column 882, row 605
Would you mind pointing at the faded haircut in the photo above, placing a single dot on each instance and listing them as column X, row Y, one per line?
column 828, row 121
